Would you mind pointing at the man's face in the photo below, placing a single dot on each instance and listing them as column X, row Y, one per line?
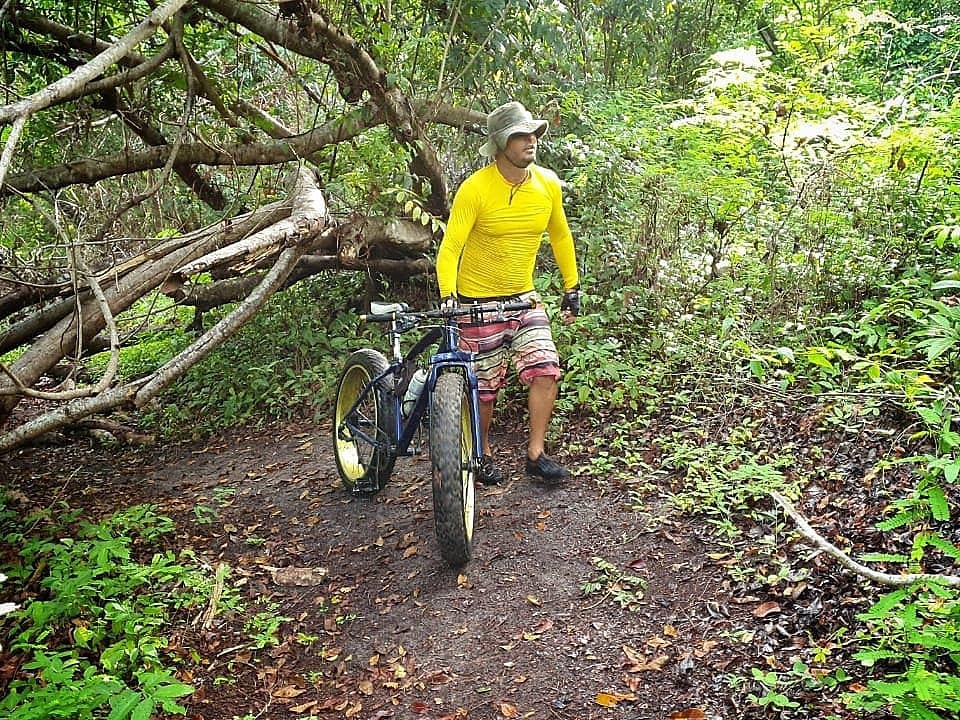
column 521, row 149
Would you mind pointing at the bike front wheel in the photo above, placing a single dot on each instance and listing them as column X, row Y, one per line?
column 451, row 454
column 362, row 434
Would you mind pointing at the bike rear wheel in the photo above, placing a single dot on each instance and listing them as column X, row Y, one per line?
column 362, row 438
column 451, row 457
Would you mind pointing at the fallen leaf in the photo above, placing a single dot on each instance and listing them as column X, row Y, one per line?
column 354, row 710
column 705, row 647
column 508, row 710
column 766, row 609
column 365, row 687
column 303, row 708
column 410, row 551
column 288, row 691
column 544, row 625
column 544, row 515
column 438, row 678
column 299, row 576
column 670, row 631
column 612, row 699
column 795, row 590
column 534, row 600
column 655, row 665
column 689, row 714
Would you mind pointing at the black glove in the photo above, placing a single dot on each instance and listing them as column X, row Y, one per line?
column 450, row 302
column 571, row 301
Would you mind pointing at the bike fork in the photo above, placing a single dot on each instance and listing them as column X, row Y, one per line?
column 475, row 429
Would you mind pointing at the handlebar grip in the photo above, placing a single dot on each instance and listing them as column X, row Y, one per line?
column 370, row 317
column 527, row 304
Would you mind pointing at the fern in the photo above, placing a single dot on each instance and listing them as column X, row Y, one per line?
column 884, row 605
column 878, row 557
column 869, row 658
column 904, row 517
column 939, row 507
column 944, row 546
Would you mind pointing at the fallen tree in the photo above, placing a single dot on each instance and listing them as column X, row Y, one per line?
column 53, row 312
column 308, row 218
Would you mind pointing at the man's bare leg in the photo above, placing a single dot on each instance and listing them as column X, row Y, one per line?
column 540, row 402
column 486, row 417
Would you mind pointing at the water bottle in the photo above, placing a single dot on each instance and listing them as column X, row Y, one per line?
column 414, row 389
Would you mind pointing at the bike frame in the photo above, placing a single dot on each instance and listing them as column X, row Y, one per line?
column 448, row 355
column 402, row 365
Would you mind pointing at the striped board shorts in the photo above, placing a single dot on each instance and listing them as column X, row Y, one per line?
column 522, row 336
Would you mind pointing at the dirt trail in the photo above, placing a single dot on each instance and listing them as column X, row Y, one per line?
column 379, row 627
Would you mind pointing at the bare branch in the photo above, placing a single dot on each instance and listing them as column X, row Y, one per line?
column 311, row 211
column 849, row 563
column 285, row 150
column 309, row 215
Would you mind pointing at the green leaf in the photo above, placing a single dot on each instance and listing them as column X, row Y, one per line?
column 124, row 705
column 144, row 709
column 938, row 346
column 816, row 357
column 938, row 504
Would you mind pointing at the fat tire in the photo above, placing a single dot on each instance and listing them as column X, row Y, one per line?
column 364, row 468
column 451, row 453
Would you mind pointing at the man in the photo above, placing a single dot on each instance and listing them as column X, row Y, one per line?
column 488, row 252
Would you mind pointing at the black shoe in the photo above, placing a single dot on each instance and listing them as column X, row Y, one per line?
column 547, row 469
column 488, row 473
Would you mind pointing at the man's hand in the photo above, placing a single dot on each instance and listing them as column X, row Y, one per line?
column 570, row 304
column 449, row 303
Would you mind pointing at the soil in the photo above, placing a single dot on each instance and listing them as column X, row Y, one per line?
column 377, row 626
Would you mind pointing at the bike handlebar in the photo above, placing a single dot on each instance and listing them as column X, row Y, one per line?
column 386, row 312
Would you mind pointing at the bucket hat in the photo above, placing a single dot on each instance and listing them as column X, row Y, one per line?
column 511, row 118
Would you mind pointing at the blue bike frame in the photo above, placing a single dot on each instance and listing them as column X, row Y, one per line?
column 449, row 355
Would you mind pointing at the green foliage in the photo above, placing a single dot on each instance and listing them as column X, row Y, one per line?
column 911, row 634
column 264, row 627
column 615, row 583
column 774, row 689
column 277, row 364
column 93, row 638
column 604, row 355
column 722, row 479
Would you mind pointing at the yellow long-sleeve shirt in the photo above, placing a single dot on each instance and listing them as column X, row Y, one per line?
column 494, row 232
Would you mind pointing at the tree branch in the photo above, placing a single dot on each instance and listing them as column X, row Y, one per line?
column 19, row 112
column 267, row 153
column 311, row 212
column 849, row 563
